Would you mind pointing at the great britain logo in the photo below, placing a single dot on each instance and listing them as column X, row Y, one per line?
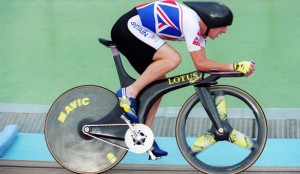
column 163, row 18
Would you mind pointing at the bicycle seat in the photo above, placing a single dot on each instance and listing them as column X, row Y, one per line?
column 105, row 42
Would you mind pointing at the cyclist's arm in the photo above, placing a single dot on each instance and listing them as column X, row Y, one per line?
column 202, row 63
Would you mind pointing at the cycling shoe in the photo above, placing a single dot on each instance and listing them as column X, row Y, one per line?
column 128, row 104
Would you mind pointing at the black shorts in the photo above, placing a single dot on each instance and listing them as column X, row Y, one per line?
column 134, row 41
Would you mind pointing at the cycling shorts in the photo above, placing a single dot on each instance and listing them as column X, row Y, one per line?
column 137, row 43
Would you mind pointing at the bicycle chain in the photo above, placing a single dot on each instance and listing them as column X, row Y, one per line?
column 105, row 141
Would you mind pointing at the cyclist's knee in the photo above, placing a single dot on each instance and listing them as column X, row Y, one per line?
column 177, row 58
column 169, row 54
column 174, row 59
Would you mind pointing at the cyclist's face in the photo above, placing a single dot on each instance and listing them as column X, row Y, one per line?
column 215, row 32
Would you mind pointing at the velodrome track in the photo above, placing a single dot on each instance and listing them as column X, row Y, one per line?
column 38, row 167
column 29, row 153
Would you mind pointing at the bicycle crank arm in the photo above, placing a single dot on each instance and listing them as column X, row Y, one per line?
column 130, row 126
column 106, row 130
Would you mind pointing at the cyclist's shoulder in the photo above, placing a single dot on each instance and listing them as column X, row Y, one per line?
column 189, row 14
column 172, row 10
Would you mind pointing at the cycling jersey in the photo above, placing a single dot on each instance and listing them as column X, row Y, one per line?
column 171, row 20
column 149, row 25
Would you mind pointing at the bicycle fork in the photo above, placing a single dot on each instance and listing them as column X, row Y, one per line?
column 221, row 129
column 209, row 105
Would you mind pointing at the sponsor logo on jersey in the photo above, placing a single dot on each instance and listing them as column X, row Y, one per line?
column 140, row 29
column 196, row 40
column 143, row 31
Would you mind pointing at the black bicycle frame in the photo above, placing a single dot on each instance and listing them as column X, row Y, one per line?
column 147, row 97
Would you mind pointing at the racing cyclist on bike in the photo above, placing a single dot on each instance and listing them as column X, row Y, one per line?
column 141, row 35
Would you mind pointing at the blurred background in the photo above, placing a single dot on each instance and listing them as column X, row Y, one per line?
column 47, row 47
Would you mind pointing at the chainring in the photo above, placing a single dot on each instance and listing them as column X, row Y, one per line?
column 143, row 142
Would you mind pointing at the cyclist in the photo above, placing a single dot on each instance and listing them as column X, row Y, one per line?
column 141, row 35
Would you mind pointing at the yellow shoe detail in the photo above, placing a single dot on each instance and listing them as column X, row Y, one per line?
column 125, row 104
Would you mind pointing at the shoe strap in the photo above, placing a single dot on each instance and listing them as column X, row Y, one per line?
column 124, row 93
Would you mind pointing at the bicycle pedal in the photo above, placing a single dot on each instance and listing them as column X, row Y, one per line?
column 154, row 158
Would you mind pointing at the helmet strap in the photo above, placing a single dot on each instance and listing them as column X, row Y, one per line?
column 207, row 31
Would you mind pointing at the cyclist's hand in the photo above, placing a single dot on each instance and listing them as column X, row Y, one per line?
column 245, row 67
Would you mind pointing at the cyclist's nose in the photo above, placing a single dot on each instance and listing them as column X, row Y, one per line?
column 224, row 29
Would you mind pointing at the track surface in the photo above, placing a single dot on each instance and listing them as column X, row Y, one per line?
column 38, row 167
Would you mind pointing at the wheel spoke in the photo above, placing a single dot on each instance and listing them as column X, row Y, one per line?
column 221, row 105
column 240, row 139
column 203, row 142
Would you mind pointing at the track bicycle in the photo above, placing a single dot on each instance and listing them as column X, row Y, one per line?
column 86, row 130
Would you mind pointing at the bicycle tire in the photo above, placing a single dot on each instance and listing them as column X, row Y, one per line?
column 203, row 161
column 69, row 146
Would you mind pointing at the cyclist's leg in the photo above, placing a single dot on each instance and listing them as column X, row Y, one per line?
column 165, row 60
column 155, row 148
column 152, row 112
column 146, row 52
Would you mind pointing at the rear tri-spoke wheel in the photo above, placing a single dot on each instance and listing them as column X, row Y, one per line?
column 237, row 153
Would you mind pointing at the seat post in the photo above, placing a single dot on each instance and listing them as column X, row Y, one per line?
column 125, row 78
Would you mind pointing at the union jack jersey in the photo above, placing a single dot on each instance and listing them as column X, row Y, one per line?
column 171, row 20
